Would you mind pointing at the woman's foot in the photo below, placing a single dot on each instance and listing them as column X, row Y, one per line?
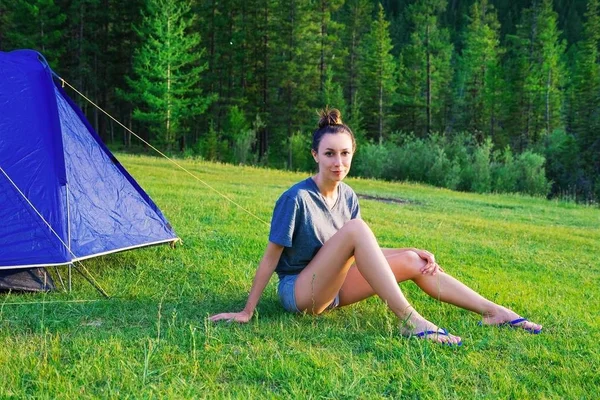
column 503, row 316
column 417, row 326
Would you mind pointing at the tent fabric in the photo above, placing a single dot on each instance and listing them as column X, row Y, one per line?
column 52, row 162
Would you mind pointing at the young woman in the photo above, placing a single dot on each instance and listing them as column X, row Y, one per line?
column 326, row 256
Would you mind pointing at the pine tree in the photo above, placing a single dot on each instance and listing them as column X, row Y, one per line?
column 479, row 95
column 167, row 72
column 39, row 25
column 356, row 17
column 537, row 75
column 82, row 47
column 331, row 55
column 333, row 94
column 261, row 61
column 377, row 73
column 585, row 100
column 295, row 72
column 4, row 23
column 425, row 71
column 253, row 53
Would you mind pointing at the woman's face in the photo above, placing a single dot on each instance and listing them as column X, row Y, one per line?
column 334, row 156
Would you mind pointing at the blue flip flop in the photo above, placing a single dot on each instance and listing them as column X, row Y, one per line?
column 440, row 331
column 516, row 323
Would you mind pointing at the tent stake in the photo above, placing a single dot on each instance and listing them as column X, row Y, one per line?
column 60, row 278
column 91, row 280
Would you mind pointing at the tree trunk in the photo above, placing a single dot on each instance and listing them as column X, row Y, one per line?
column 428, row 89
column 264, row 145
column 290, row 92
column 381, row 111
column 352, row 66
column 244, row 51
column 548, row 85
column 323, row 33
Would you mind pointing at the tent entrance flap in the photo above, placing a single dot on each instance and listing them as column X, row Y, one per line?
column 26, row 280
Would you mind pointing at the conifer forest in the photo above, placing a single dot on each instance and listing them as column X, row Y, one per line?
column 473, row 95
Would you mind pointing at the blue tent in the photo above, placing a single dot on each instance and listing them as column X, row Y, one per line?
column 63, row 195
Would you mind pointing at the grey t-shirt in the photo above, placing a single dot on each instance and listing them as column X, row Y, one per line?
column 302, row 222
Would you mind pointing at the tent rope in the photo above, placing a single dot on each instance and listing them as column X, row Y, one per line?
column 64, row 82
column 90, row 278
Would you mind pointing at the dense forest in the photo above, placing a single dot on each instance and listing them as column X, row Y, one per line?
column 480, row 95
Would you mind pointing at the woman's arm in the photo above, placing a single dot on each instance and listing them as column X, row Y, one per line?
column 261, row 279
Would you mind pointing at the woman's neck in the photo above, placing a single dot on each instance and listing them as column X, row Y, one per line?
column 327, row 188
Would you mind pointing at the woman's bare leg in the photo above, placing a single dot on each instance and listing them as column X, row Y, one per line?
column 406, row 265
column 321, row 280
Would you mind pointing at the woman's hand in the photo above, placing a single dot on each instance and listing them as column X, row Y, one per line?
column 431, row 267
column 241, row 317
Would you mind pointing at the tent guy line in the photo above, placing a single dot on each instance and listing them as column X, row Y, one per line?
column 64, row 82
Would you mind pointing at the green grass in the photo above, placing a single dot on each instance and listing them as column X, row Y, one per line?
column 152, row 339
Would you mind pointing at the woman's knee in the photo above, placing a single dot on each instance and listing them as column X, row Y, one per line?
column 357, row 226
column 411, row 262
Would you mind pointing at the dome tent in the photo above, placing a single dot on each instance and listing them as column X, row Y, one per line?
column 63, row 196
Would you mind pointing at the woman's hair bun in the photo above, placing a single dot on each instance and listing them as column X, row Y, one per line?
column 330, row 116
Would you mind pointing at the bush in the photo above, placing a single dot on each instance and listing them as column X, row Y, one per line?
column 442, row 171
column 458, row 149
column 371, row 160
column 563, row 162
column 504, row 172
column 298, row 145
column 481, row 181
column 208, row 146
column 532, row 174
column 457, row 163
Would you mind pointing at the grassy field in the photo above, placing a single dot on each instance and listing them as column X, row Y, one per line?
column 153, row 340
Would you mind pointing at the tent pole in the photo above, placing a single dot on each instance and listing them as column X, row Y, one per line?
column 70, row 277
column 91, row 280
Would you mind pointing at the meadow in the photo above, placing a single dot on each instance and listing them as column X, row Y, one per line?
column 152, row 339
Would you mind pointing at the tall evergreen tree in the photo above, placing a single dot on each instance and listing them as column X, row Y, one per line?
column 537, row 75
column 262, row 57
column 167, row 72
column 356, row 17
column 333, row 94
column 256, row 31
column 479, row 93
column 377, row 72
column 585, row 100
column 4, row 24
column 331, row 55
column 425, row 70
column 82, row 47
column 39, row 25
column 294, row 68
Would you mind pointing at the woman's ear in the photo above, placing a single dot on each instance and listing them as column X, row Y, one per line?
column 314, row 154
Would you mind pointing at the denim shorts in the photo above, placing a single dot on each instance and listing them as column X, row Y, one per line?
column 287, row 297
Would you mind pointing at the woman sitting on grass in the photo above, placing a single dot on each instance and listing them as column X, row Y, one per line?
column 326, row 256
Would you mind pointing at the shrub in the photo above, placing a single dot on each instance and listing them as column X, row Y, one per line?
column 208, row 146
column 504, row 172
column 562, row 161
column 481, row 181
column 532, row 174
column 300, row 158
column 458, row 149
column 371, row 160
column 421, row 160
